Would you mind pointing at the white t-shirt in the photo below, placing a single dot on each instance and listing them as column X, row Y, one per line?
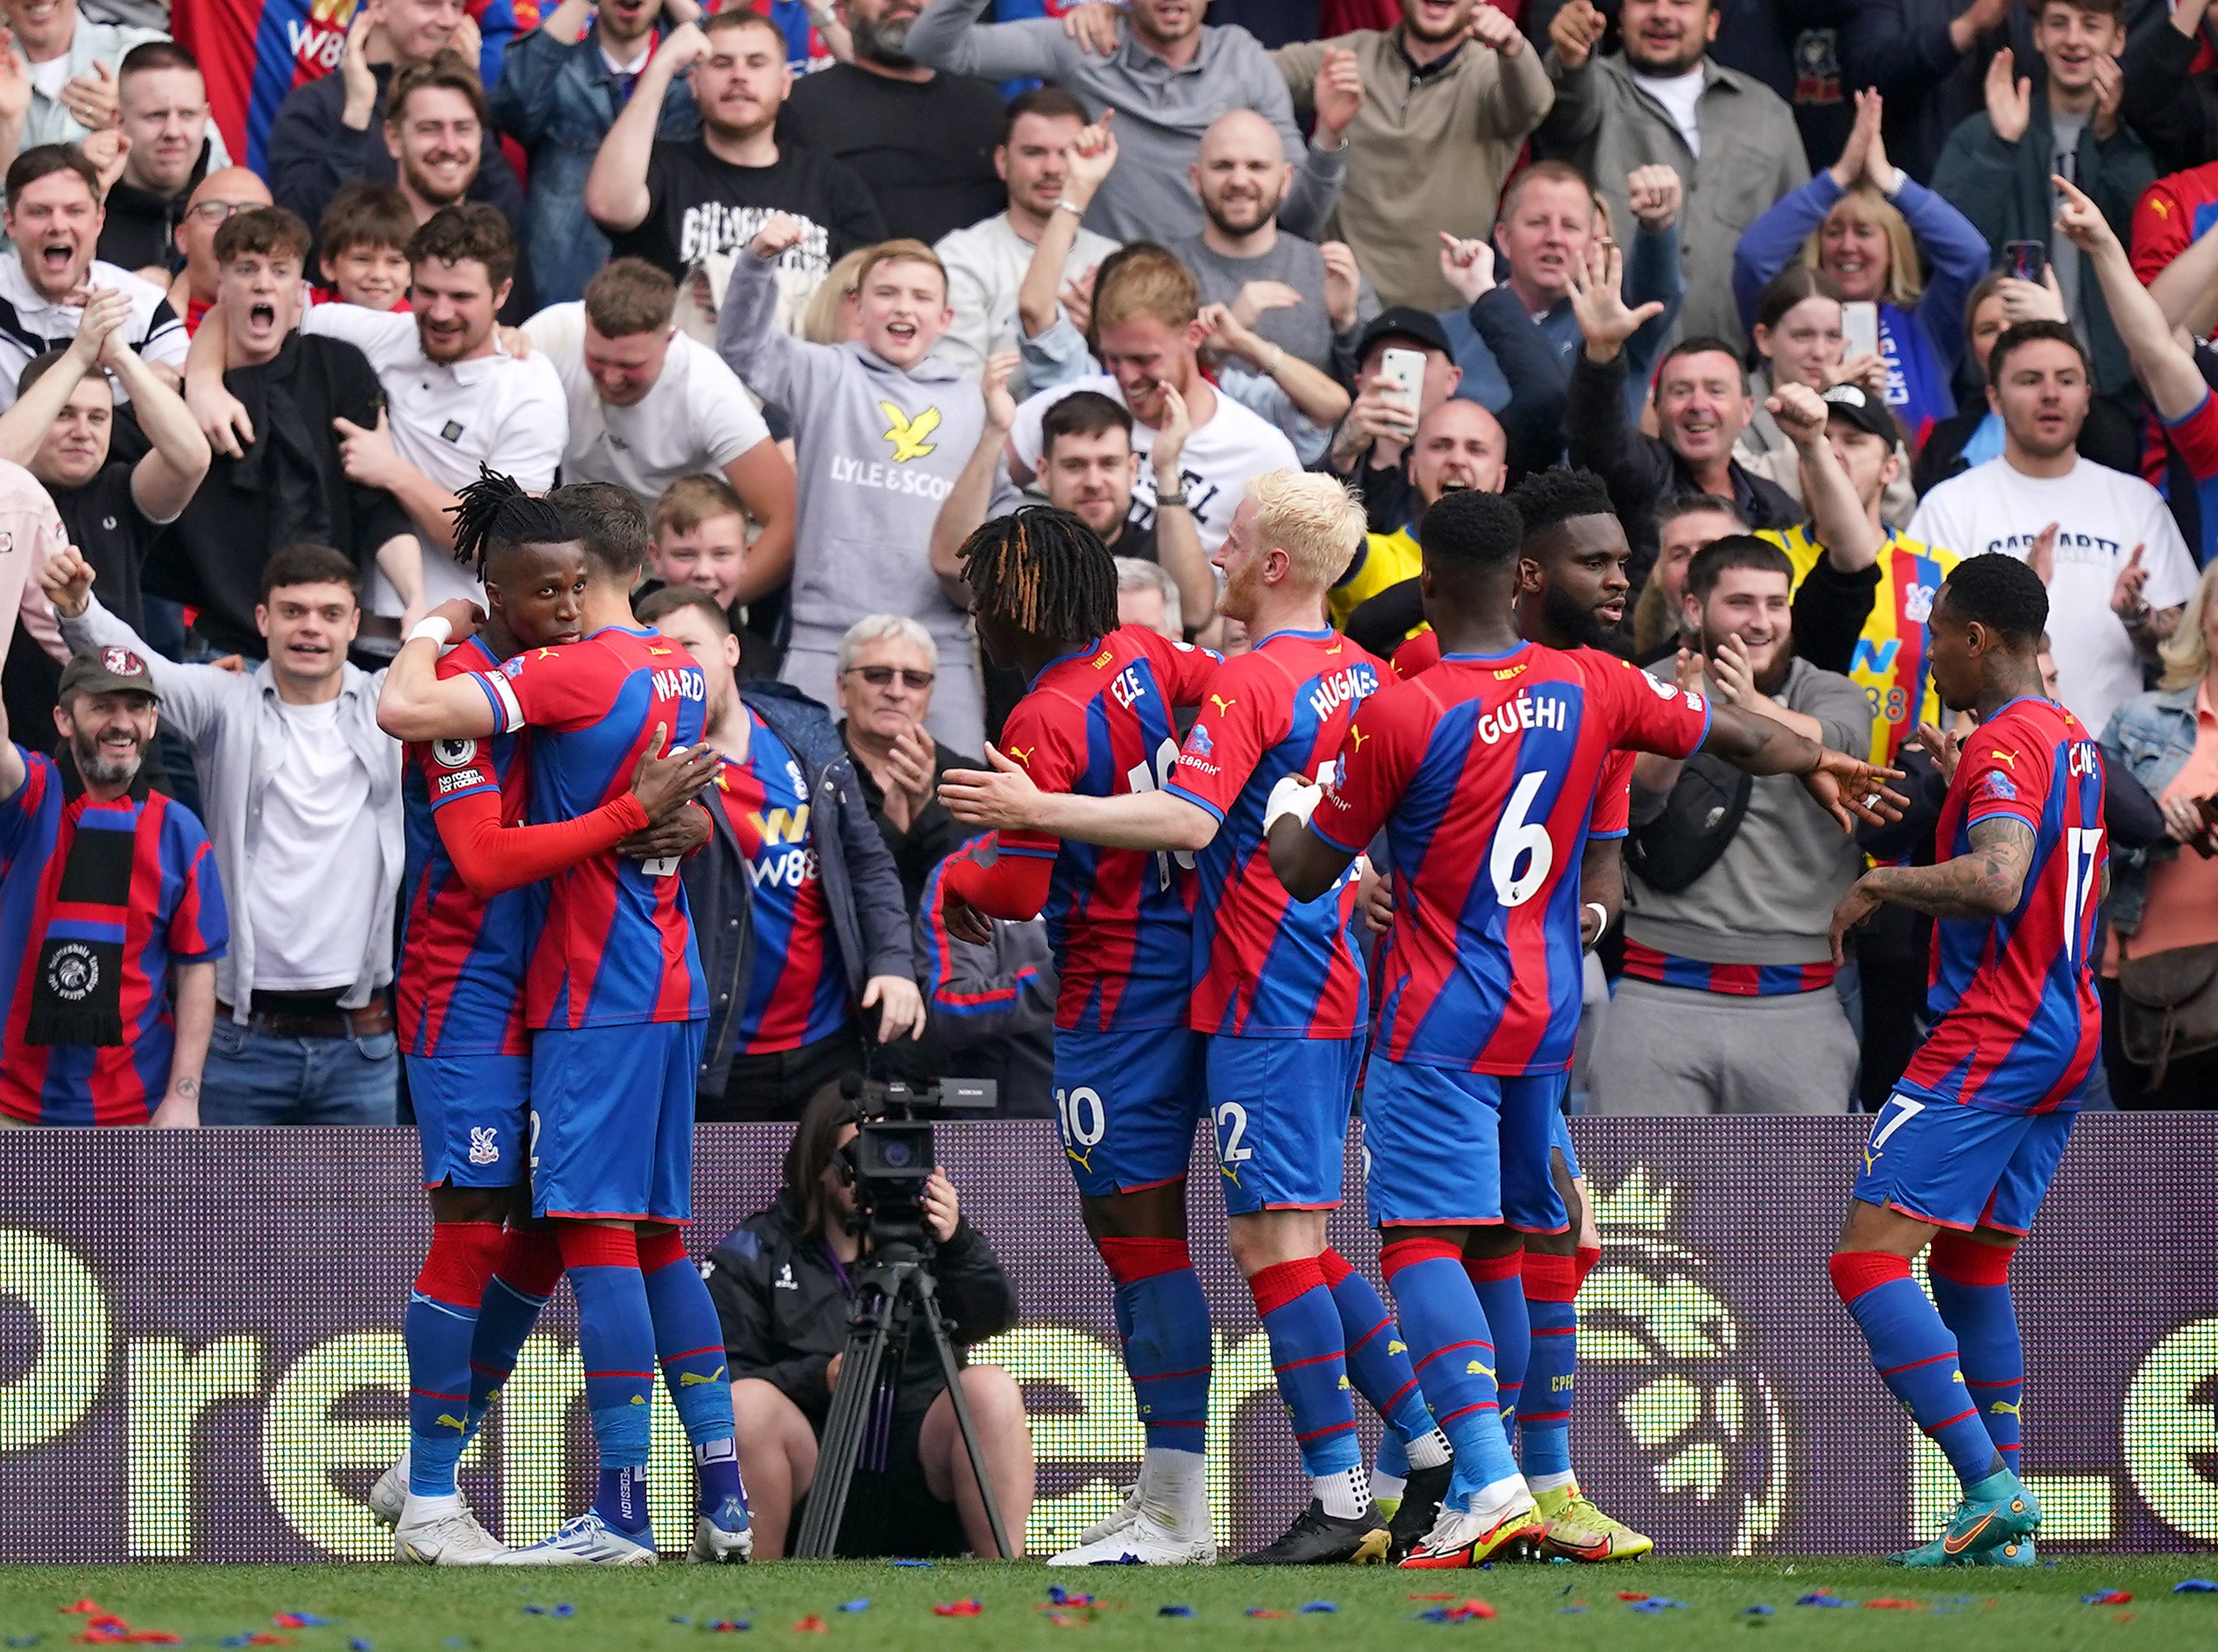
column 1218, row 458
column 2101, row 514
column 1679, row 94
column 986, row 264
column 696, row 416
column 52, row 75
column 31, row 323
column 446, row 418
column 316, row 860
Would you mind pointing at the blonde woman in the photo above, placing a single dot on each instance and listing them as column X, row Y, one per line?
column 1866, row 223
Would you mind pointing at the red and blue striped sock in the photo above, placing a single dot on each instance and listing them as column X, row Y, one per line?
column 529, row 1269
column 1971, row 1287
column 1499, row 1283
column 1543, row 1419
column 1916, row 1357
column 616, row 1335
column 689, row 1345
column 1310, row 1364
column 441, row 1321
column 1446, row 1330
column 1162, row 1318
column 1378, row 1363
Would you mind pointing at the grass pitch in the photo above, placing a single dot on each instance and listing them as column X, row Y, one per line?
column 1561, row 1608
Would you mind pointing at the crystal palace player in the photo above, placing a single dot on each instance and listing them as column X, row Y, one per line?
column 473, row 919
column 615, row 999
column 1279, row 989
column 1483, row 773
column 1571, row 594
column 1129, row 1073
column 1963, row 1150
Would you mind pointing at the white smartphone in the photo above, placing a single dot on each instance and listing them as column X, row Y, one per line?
column 1860, row 330
column 1406, row 368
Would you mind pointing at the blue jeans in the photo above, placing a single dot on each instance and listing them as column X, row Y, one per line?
column 254, row 1077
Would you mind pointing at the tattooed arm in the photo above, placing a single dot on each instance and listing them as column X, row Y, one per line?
column 1984, row 883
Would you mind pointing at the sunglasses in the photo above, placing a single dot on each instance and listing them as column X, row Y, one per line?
column 881, row 677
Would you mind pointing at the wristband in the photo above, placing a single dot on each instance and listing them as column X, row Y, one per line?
column 1070, row 206
column 1292, row 795
column 1277, row 361
column 1893, row 186
column 434, row 628
column 1601, row 919
column 1165, row 501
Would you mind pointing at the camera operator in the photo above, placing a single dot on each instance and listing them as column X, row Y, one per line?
column 784, row 1284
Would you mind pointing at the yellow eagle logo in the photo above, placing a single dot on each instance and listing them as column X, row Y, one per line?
column 908, row 435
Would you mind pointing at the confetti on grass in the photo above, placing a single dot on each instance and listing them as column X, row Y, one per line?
column 2195, row 1586
column 812, row 1625
column 969, row 1608
column 1823, row 1598
column 1462, row 1612
column 1320, row 1605
column 1175, row 1612
column 1059, row 1596
column 565, row 1609
column 860, row 1604
column 1655, row 1603
column 2107, row 1598
column 299, row 1620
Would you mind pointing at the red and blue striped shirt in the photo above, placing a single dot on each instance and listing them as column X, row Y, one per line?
column 174, row 916
column 1484, row 773
column 2011, row 1000
column 1734, row 979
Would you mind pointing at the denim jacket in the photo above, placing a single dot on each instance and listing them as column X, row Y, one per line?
column 2152, row 735
column 861, row 890
column 559, row 102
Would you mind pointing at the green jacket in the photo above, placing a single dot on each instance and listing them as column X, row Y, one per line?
column 2004, row 189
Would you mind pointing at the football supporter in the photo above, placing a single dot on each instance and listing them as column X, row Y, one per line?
column 675, row 204
column 472, row 922
column 795, row 892
column 1728, row 1003
column 1171, row 76
column 363, row 247
column 781, row 1282
column 1130, row 1074
column 303, row 804
column 616, row 1003
column 561, row 89
column 161, row 106
column 454, row 398
column 1684, row 523
column 287, row 480
column 435, row 129
column 886, row 427
column 1459, row 445
column 90, row 1035
column 58, row 75
column 192, row 289
column 1145, row 307
column 330, row 132
column 1146, row 598
column 53, row 217
column 985, row 262
column 648, row 406
column 1279, row 991
column 1960, row 1155
column 886, row 665
column 700, row 542
column 2171, row 98
column 1474, row 1040
column 1371, row 449
column 2119, row 570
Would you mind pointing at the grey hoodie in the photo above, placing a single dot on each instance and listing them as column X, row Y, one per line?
column 877, row 450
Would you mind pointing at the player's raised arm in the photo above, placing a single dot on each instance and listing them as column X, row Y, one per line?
column 1847, row 788
column 1005, row 799
column 416, row 704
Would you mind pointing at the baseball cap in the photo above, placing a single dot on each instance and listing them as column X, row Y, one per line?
column 1405, row 321
column 1857, row 404
column 107, row 670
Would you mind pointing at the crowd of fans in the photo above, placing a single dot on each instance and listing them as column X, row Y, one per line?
column 824, row 288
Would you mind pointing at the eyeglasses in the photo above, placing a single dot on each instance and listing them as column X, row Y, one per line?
column 216, row 211
column 881, row 677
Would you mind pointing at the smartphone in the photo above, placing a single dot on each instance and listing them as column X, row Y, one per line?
column 2026, row 260
column 1406, row 368
column 1859, row 330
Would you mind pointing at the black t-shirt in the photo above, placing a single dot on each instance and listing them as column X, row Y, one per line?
column 106, row 523
column 698, row 205
column 925, row 149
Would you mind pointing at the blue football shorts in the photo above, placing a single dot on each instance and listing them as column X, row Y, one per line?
column 1447, row 1148
column 1127, row 1104
column 1280, row 1107
column 1560, row 1138
column 471, row 1115
column 612, row 1120
column 1959, row 1166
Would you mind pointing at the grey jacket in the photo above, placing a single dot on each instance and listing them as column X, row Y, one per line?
column 1770, row 897
column 2150, row 737
column 861, row 891
column 878, row 450
column 231, row 721
column 1607, row 126
column 1161, row 112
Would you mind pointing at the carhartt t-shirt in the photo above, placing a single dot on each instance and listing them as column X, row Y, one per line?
column 698, row 207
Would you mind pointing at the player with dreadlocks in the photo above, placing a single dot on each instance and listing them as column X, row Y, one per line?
column 615, row 1001
column 1129, row 1072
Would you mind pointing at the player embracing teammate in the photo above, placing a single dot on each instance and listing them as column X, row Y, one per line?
column 1483, row 774
column 614, row 1003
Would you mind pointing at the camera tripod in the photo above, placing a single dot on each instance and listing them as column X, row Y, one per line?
column 891, row 1296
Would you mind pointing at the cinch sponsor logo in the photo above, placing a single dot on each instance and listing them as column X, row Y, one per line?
column 1341, row 688
column 1522, row 713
